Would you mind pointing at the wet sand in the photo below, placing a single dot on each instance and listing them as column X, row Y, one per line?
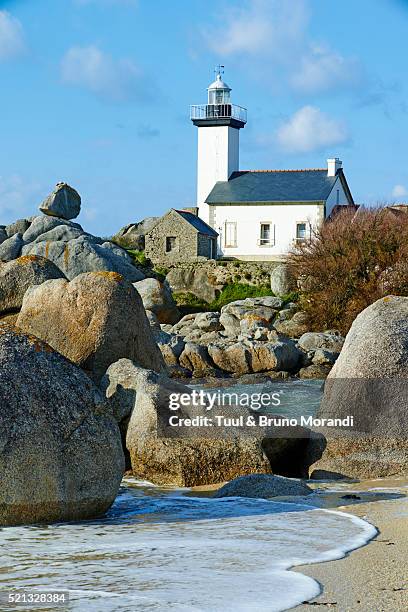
column 373, row 578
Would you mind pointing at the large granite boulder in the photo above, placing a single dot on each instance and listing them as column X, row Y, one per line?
column 369, row 381
column 312, row 341
column 42, row 225
column 132, row 236
column 157, row 298
column 282, row 281
column 198, row 281
column 18, row 275
column 263, row 486
column 194, row 456
column 11, row 248
column 83, row 254
column 94, row 320
column 184, row 461
column 254, row 356
column 64, row 202
column 61, row 456
column 18, row 227
column 195, row 358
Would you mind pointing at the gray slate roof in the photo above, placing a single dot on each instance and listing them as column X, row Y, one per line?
column 273, row 186
column 200, row 225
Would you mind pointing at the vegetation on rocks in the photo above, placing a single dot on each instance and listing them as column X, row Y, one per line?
column 352, row 261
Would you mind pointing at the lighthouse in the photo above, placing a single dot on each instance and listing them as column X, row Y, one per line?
column 218, row 123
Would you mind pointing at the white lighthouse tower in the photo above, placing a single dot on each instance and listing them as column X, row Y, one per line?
column 218, row 124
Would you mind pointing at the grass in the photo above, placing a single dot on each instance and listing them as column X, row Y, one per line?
column 188, row 302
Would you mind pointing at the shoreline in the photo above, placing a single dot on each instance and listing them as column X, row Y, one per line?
column 372, row 577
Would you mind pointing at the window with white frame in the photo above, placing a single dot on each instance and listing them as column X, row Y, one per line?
column 266, row 235
column 230, row 234
column 302, row 231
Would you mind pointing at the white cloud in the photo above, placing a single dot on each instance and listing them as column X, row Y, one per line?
column 322, row 69
column 11, row 36
column 263, row 26
column 309, row 129
column 276, row 33
column 115, row 80
column 399, row 191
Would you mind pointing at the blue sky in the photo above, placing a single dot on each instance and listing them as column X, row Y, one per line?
column 97, row 93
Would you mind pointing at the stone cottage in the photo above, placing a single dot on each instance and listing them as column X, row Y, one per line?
column 180, row 235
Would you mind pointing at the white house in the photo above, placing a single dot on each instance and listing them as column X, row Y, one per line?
column 258, row 214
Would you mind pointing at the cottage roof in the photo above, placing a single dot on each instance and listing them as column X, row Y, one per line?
column 276, row 186
column 200, row 225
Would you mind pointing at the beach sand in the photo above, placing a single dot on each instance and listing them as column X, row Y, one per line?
column 373, row 578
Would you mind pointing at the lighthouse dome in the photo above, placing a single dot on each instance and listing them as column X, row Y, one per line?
column 219, row 84
column 219, row 92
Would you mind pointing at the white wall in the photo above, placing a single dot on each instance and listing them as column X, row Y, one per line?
column 336, row 198
column 284, row 218
column 218, row 158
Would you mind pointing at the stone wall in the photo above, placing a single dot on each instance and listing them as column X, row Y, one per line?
column 171, row 225
column 206, row 279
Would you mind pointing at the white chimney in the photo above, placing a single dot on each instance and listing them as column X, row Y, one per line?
column 333, row 165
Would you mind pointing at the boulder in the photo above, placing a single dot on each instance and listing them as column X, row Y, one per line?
column 234, row 358
column 63, row 233
column 263, row 486
column 253, row 356
column 319, row 371
column 282, row 281
column 3, row 234
column 295, row 327
column 18, row 275
column 192, row 458
column 63, row 202
column 132, row 236
column 42, row 224
column 157, row 297
column 198, row 281
column 61, row 456
column 312, row 341
column 231, row 324
column 94, row 320
column 18, row 227
column 174, row 461
column 171, row 347
column 208, row 321
column 196, row 359
column 82, row 255
column 324, row 357
column 11, row 248
column 369, row 381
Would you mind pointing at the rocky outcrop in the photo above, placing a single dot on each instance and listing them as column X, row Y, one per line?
column 195, row 280
column 132, row 236
column 63, row 202
column 263, row 486
column 293, row 326
column 11, row 248
column 82, row 255
column 187, row 460
column 282, row 281
column 244, row 339
column 52, row 235
column 18, row 275
column 369, row 381
column 157, row 298
column 97, row 318
column 61, row 457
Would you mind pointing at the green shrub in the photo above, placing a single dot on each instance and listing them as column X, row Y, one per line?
column 139, row 258
column 238, row 291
